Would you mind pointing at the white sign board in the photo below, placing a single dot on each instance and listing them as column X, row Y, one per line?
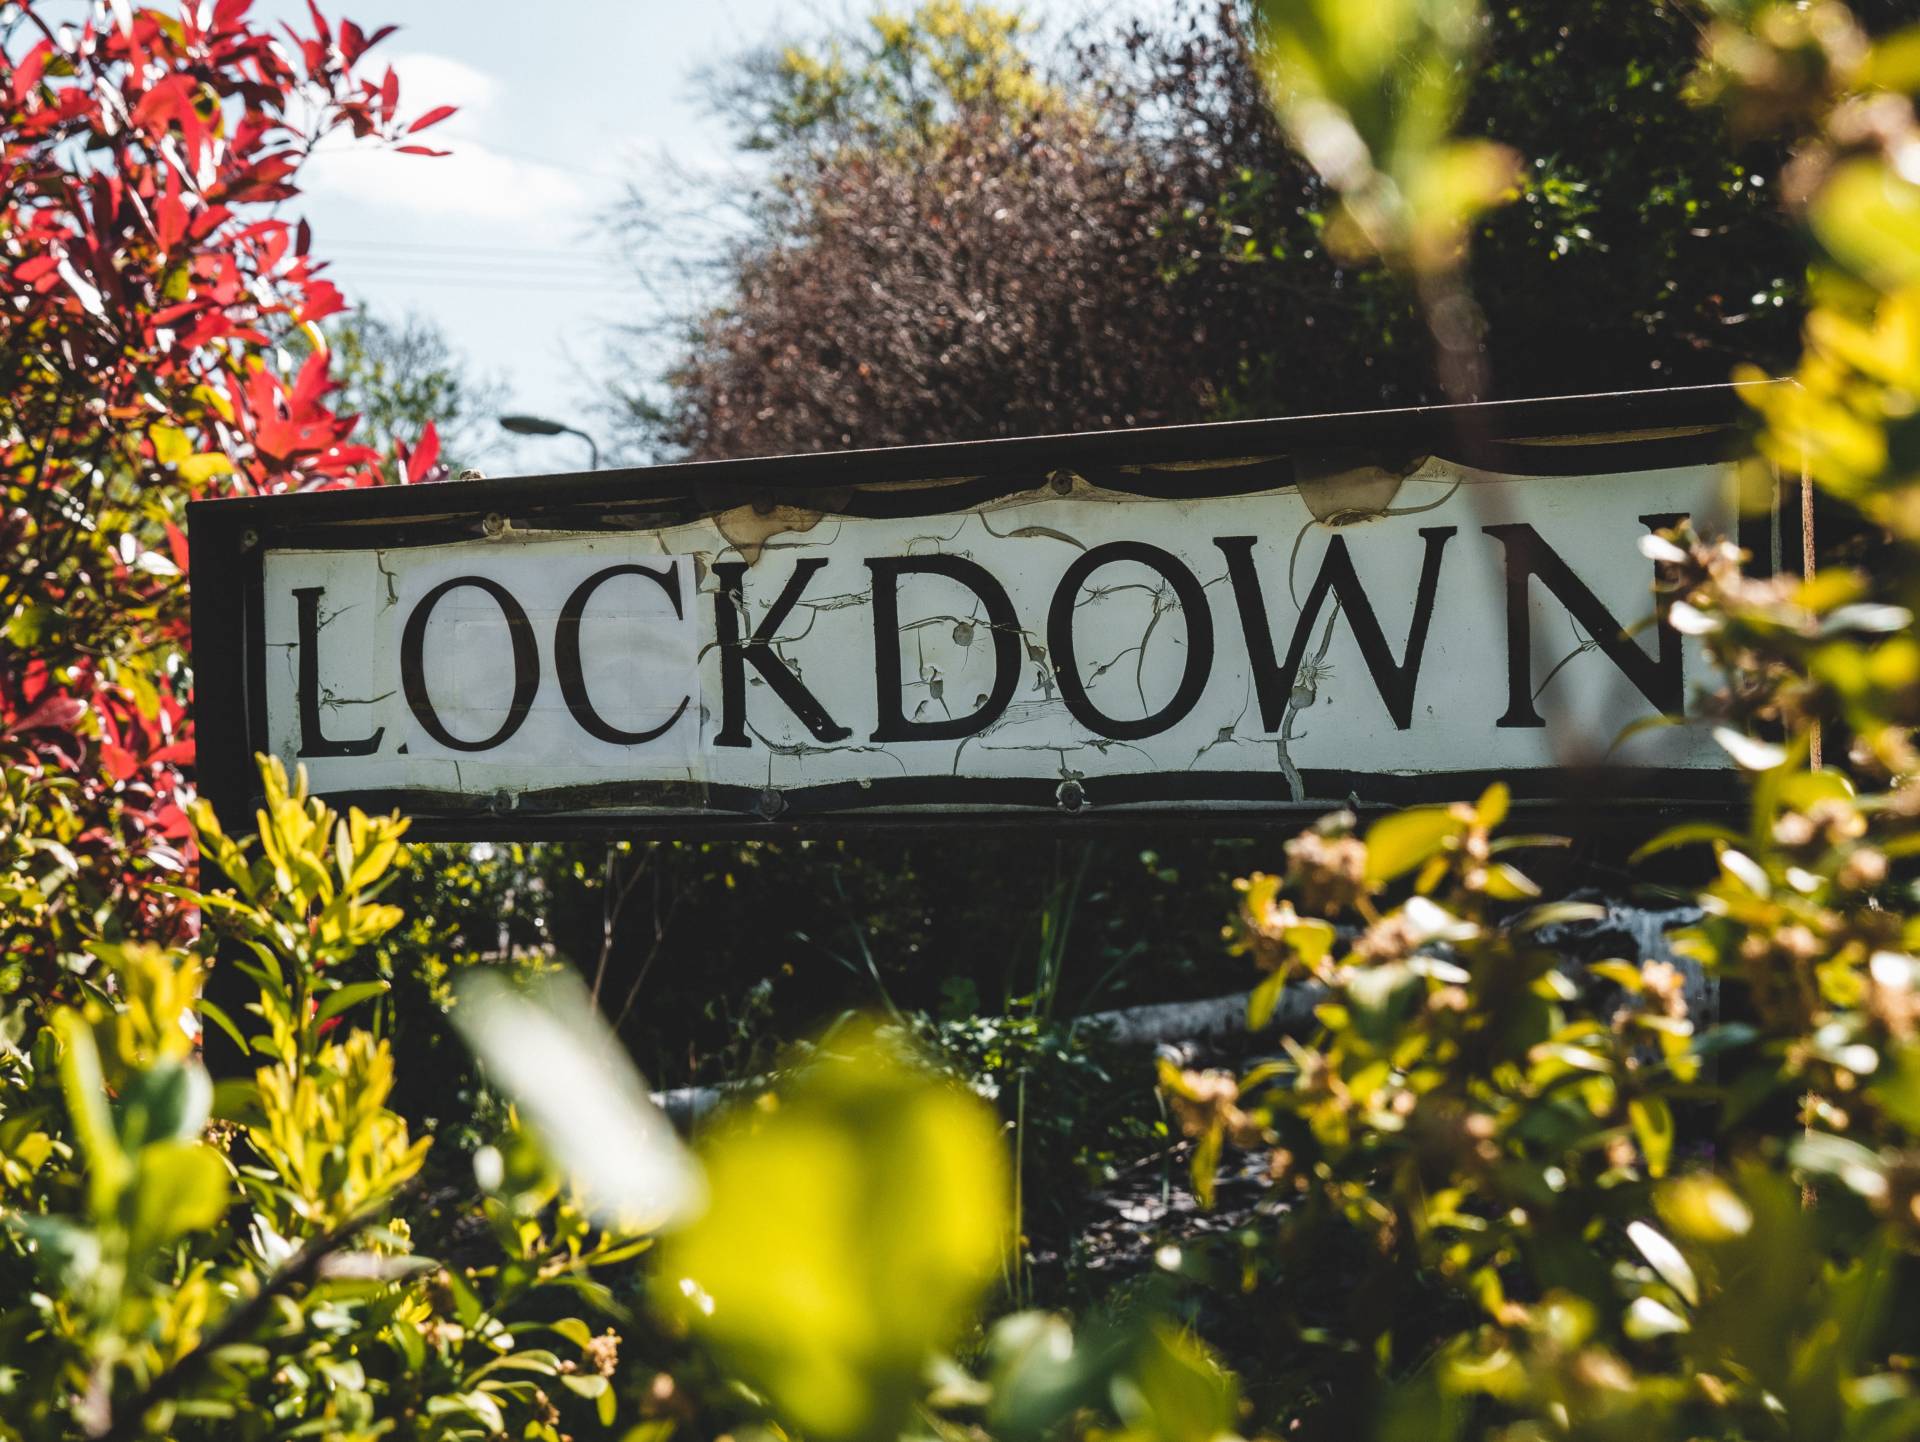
column 1121, row 652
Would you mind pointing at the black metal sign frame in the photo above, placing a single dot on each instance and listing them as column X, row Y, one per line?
column 1629, row 431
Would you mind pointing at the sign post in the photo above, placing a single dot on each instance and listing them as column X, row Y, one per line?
column 1210, row 625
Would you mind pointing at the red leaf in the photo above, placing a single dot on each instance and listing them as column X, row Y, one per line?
column 420, row 463
column 323, row 299
column 56, row 713
column 27, row 74
column 432, row 117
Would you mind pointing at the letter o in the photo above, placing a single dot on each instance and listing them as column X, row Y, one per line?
column 1066, row 669
column 526, row 663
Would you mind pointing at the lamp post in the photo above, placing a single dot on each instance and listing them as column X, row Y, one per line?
column 541, row 426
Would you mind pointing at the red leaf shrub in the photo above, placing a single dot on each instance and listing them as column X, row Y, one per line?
column 150, row 294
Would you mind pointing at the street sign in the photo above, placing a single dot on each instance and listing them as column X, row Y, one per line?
column 1217, row 622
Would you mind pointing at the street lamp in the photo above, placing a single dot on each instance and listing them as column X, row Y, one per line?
column 541, row 426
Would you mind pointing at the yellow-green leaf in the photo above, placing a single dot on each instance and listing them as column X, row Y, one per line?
column 1653, row 1127
column 851, row 1231
column 1398, row 843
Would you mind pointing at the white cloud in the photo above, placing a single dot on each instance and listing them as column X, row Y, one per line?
column 428, row 80
column 477, row 182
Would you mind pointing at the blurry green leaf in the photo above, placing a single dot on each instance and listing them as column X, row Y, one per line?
column 1691, row 833
column 1507, row 883
column 1382, row 997
column 1264, row 998
column 349, row 995
column 1647, row 1318
column 1895, row 62
column 1620, row 973
column 1176, row 1391
column 212, row 1012
column 1653, row 1128
column 572, row 1081
column 85, row 1088
column 179, row 1187
column 1804, row 790
column 1703, row 1208
column 1665, row 1259
column 1040, row 1373
column 1749, row 752
column 1852, row 1165
column 1868, row 218
column 850, row 1230
column 167, row 1100
column 1399, row 842
column 1558, row 913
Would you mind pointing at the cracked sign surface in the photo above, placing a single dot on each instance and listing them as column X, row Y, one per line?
column 1067, row 649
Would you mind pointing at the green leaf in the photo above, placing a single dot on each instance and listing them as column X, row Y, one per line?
column 349, row 995
column 1648, row 1318
column 1180, row 1393
column 1620, row 973
column 1750, row 753
column 1558, row 913
column 1852, row 1165
column 168, row 1100
column 1382, row 997
column 212, row 1012
column 85, row 1089
column 1868, row 218
column 1690, row 833
column 1665, row 1259
column 1264, row 998
column 577, row 1089
column 180, row 1187
column 850, row 1232
column 1652, row 1122
column 1505, row 883
column 1399, row 842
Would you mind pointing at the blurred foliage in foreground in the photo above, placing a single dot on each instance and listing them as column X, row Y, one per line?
column 1502, row 1194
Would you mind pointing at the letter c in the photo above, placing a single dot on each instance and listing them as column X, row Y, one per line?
column 566, row 654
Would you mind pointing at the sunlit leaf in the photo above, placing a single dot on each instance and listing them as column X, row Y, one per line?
column 850, row 1230
column 1401, row 841
column 1665, row 1259
column 1653, row 1129
column 572, row 1081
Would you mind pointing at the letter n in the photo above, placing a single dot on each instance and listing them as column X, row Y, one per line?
column 1658, row 677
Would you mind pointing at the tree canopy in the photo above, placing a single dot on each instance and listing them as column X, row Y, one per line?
column 1120, row 234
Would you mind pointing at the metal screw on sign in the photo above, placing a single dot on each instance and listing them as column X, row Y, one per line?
column 1072, row 796
column 770, row 803
column 494, row 525
column 249, row 539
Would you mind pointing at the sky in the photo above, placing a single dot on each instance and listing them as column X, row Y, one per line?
column 564, row 105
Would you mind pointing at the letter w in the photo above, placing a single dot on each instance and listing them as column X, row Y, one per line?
column 1395, row 680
